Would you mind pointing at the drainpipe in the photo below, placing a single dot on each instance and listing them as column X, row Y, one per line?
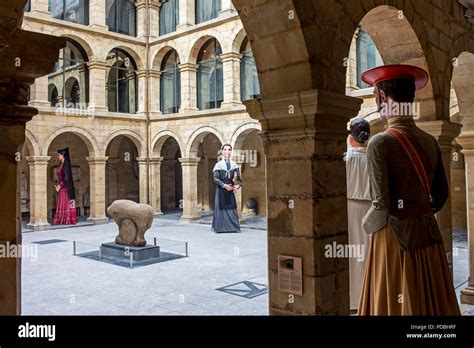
column 147, row 99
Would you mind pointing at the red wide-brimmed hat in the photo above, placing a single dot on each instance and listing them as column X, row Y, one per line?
column 389, row 72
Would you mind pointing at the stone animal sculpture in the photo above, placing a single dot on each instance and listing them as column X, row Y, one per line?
column 133, row 220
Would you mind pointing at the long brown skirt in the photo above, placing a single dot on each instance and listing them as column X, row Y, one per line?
column 398, row 282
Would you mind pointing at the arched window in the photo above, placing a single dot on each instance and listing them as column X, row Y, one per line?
column 71, row 68
column 73, row 93
column 28, row 6
column 170, row 84
column 76, row 11
column 210, row 76
column 121, row 16
column 121, row 82
column 207, row 10
column 169, row 16
column 53, row 95
column 249, row 86
column 368, row 56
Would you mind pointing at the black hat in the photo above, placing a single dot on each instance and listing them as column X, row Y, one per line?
column 360, row 130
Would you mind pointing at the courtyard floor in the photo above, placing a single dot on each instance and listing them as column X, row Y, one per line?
column 224, row 274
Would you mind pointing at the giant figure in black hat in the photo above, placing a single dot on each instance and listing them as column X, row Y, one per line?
column 66, row 202
column 407, row 272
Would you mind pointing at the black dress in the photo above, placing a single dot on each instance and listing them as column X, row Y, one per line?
column 225, row 218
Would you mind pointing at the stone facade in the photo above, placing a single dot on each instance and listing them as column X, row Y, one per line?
column 302, row 51
column 143, row 152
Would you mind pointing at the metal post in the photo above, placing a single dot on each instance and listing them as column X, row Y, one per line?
column 74, row 247
column 131, row 259
column 186, row 244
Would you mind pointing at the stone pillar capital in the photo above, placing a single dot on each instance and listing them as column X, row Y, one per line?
column 305, row 112
column 97, row 64
column 142, row 160
column 444, row 131
column 190, row 161
column 466, row 140
column 97, row 160
column 231, row 56
column 156, row 160
column 188, row 67
column 38, row 159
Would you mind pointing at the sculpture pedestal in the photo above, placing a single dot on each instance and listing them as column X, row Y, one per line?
column 129, row 252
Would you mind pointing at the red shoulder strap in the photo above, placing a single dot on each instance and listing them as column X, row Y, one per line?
column 414, row 157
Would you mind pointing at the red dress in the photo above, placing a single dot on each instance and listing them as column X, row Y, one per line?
column 65, row 211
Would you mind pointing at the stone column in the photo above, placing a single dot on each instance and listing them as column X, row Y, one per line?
column 142, row 179
column 227, row 8
column 189, row 167
column 466, row 140
column 187, row 16
column 304, row 137
column 38, row 188
column 97, row 192
column 154, row 8
column 113, row 183
column 238, row 194
column 40, row 7
column 141, row 18
column 97, row 15
column 97, row 93
column 155, row 184
column 14, row 113
column 141, row 107
column 445, row 132
column 231, row 67
column 188, row 87
column 39, row 92
column 155, row 91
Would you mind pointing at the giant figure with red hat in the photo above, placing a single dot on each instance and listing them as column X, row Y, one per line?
column 406, row 272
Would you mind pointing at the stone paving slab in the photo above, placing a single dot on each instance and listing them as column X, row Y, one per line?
column 59, row 283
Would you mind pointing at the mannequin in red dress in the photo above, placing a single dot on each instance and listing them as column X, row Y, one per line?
column 66, row 203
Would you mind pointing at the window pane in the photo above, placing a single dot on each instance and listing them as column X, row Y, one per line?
column 169, row 16
column 76, row 11
column 207, row 10
column 368, row 56
column 121, row 16
column 121, row 82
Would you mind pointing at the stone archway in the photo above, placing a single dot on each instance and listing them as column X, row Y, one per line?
column 249, row 153
column 79, row 153
column 463, row 74
column 122, row 170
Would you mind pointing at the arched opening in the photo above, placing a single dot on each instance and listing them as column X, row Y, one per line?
column 69, row 80
column 210, row 76
column 208, row 152
column 122, row 82
column 78, row 152
column 122, row 170
column 170, row 83
column 249, row 154
column 171, row 177
column 249, row 85
column 462, row 181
